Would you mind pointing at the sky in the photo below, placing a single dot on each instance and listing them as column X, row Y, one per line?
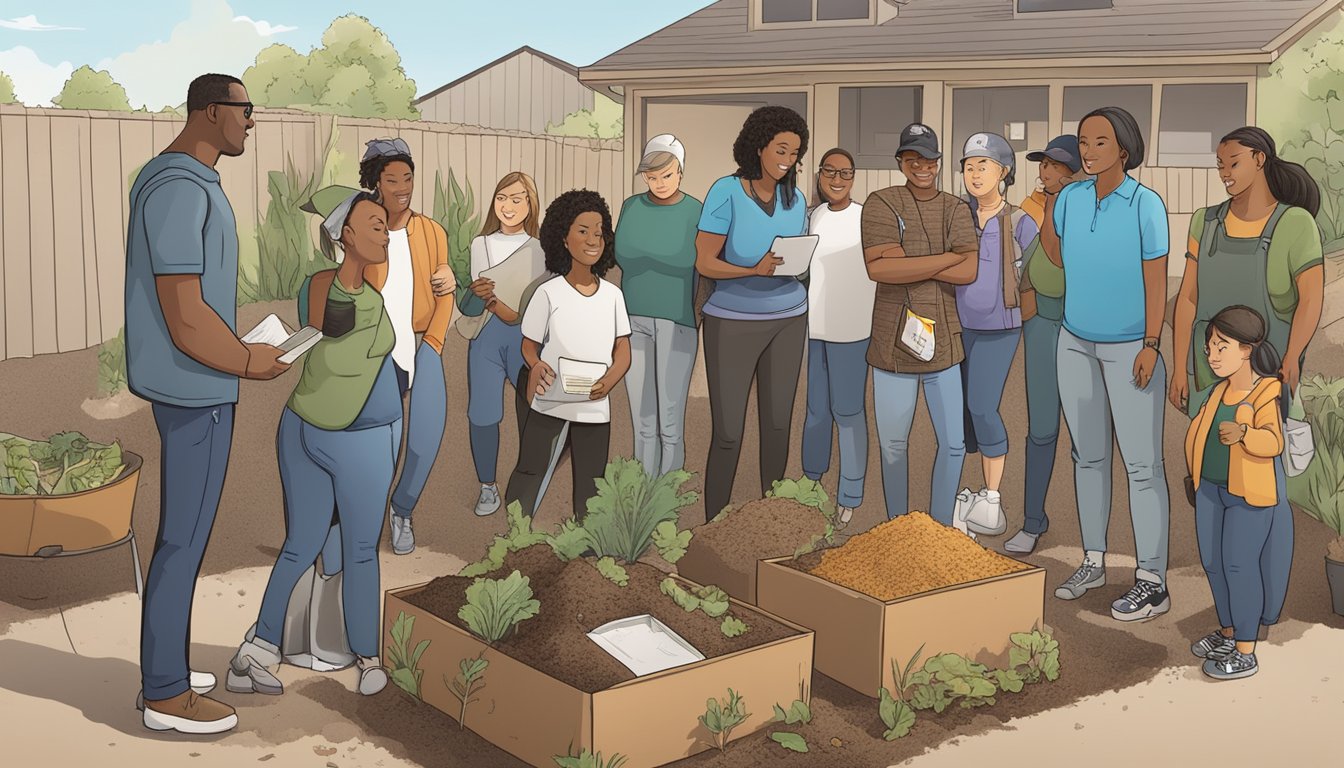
column 155, row 50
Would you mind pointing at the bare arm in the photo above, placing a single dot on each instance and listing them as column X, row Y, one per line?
column 1155, row 296
column 887, row 263
column 1183, row 320
column 318, row 288
column 531, row 352
column 196, row 329
column 1307, row 316
column 1049, row 237
column 963, row 272
column 708, row 247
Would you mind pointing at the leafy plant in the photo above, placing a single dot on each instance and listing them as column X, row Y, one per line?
column 733, row 627
column 670, row 542
column 612, row 570
column 679, row 594
column 950, row 678
column 810, row 493
column 406, row 672
column 721, row 719
column 464, row 685
column 1034, row 655
column 112, row 364
column 1320, row 489
column 285, row 252
column 789, row 740
column 570, row 542
column 455, row 210
column 896, row 712
column 629, row 507
column 518, row 536
column 586, row 759
column 495, row 606
column 710, row 599
column 67, row 463
column 798, row 712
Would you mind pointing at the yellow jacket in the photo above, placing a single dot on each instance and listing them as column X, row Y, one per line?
column 1250, row 467
column 430, row 314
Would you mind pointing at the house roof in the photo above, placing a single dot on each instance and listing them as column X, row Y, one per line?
column 558, row 63
column 945, row 30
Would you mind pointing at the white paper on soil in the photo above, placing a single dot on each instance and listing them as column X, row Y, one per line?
column 644, row 645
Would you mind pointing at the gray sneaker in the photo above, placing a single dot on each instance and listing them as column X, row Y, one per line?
column 248, row 670
column 1022, row 543
column 488, row 502
column 1213, row 645
column 1089, row 575
column 1233, row 666
column 1144, row 600
column 403, row 538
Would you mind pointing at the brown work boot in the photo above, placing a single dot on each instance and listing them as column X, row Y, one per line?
column 190, row 713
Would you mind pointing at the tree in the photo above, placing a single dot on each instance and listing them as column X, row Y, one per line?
column 355, row 73
column 6, row 89
column 606, row 120
column 87, row 89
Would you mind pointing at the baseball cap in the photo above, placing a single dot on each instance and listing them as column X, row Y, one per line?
column 992, row 146
column 666, row 142
column 919, row 138
column 1063, row 149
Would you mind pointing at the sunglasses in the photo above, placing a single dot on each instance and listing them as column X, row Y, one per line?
column 846, row 173
column 246, row 105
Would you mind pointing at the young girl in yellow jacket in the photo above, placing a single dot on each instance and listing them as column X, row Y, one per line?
column 1232, row 450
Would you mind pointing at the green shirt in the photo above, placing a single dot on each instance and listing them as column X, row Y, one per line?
column 655, row 248
column 1296, row 247
column 338, row 373
column 1045, row 277
column 1217, row 455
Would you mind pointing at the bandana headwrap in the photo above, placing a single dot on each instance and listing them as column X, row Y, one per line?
column 385, row 148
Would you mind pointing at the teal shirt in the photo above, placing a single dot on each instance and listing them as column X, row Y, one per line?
column 1216, row 455
column 655, row 248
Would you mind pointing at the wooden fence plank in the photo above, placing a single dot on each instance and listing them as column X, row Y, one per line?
column 472, row 168
column 88, row 238
column 18, row 259
column 111, row 192
column 41, row 235
column 3, row 322
column 66, row 214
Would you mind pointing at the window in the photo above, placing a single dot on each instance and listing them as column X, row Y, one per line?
column 805, row 11
column 1037, row 6
column 1137, row 100
column 871, row 120
column 1019, row 114
column 1194, row 118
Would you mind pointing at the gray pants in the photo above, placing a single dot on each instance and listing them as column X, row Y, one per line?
column 1096, row 386
column 662, row 356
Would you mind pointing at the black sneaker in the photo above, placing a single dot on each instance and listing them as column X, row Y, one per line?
column 1144, row 600
column 1233, row 666
column 1213, row 645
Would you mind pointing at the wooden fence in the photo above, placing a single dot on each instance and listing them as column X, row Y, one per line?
column 65, row 177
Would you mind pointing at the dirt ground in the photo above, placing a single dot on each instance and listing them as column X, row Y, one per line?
column 1099, row 655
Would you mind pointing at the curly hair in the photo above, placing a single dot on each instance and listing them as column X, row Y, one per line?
column 560, row 216
column 760, row 128
column 372, row 169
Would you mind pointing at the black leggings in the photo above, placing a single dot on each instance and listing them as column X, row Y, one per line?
column 588, row 445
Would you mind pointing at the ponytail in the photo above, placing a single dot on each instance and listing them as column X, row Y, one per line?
column 1246, row 326
column 1289, row 182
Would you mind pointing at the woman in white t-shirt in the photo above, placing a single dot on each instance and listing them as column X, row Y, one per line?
column 840, row 299
column 576, row 330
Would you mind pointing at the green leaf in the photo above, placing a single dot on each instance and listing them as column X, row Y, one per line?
column 1009, row 680
column 733, row 627
column 570, row 542
column 713, row 601
column 612, row 571
column 898, row 716
column 798, row 712
column 406, row 680
column 679, row 595
column 670, row 542
column 1050, row 665
column 790, row 741
column 495, row 606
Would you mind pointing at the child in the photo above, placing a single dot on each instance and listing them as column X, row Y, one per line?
column 576, row 317
column 1232, row 450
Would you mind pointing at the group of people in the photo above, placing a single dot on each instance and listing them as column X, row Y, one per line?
column 928, row 290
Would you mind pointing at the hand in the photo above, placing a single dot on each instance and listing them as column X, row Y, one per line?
column 601, row 388
column 766, row 266
column 1179, row 392
column 1144, row 364
column 1291, row 373
column 263, row 362
column 1230, row 432
column 443, row 280
column 541, row 378
column 483, row 287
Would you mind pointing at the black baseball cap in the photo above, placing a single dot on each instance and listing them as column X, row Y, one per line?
column 920, row 138
column 1063, row 149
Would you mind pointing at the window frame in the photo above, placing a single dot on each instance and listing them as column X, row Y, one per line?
column 758, row 23
column 1062, row 14
column 1159, row 98
column 861, row 160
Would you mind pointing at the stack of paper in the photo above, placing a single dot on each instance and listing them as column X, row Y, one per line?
column 644, row 645
column 578, row 377
column 273, row 331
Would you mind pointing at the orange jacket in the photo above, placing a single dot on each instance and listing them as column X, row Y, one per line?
column 1250, row 466
column 430, row 314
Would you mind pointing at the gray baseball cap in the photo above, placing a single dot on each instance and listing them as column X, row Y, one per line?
column 992, row 146
column 921, row 139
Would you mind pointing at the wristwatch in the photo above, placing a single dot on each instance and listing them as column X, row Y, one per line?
column 1151, row 342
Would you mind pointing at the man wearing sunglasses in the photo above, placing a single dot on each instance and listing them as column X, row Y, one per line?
column 184, row 356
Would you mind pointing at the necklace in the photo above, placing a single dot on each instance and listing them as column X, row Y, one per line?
column 768, row 208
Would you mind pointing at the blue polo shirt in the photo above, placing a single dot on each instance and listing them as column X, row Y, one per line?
column 749, row 230
column 1103, row 245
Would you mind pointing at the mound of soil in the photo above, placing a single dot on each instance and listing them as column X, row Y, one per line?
column 576, row 599
column 725, row 553
column 905, row 556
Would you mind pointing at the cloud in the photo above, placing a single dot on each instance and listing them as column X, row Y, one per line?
column 210, row 39
column 36, row 83
column 31, row 24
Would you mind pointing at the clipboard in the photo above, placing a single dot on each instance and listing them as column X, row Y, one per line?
column 796, row 253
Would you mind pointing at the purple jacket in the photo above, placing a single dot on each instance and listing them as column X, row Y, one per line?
column 980, row 304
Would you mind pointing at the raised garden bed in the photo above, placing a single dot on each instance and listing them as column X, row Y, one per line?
column 912, row 584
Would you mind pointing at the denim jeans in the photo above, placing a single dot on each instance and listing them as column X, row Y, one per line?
column 1040, row 341
column 425, row 419
column 1098, row 395
column 894, row 399
column 837, row 388
column 1233, row 537
column 194, row 456
column 984, row 373
column 662, row 356
column 494, row 355
column 350, row 471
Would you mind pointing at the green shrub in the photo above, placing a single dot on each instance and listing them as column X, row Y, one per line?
column 519, row 536
column 628, row 508
column 455, row 210
column 285, row 252
column 1319, row 491
column 495, row 606
column 721, row 719
column 112, row 364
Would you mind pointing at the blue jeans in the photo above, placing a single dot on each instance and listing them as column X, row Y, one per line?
column 424, row 429
column 984, row 373
column 894, row 399
column 837, row 384
column 193, row 458
column 494, row 355
column 350, row 471
column 1234, row 541
column 1040, row 340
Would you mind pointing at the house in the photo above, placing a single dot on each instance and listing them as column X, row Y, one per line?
column 860, row 70
column 522, row 91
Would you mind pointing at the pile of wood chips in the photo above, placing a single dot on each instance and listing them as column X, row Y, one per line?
column 908, row 555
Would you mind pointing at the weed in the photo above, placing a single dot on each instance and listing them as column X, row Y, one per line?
column 586, row 759
column 495, row 606
column 721, row 719
column 733, row 627
column 613, row 571
column 454, row 209
column 519, row 536
column 112, row 364
column 798, row 712
column 629, row 507
column 406, row 672
column 1034, row 655
column 896, row 711
column 789, row 740
column 464, row 685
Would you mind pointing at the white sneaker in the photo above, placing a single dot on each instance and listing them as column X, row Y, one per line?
column 200, row 682
column 846, row 514
column 403, row 538
column 488, row 502
column 985, row 515
column 372, row 676
column 959, row 510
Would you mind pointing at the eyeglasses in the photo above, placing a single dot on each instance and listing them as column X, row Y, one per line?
column 830, row 173
column 246, row 105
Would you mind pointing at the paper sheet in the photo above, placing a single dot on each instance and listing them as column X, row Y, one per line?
column 796, row 253
column 273, row 331
column 644, row 645
column 513, row 275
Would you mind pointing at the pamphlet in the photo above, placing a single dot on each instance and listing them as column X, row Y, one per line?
column 273, row 331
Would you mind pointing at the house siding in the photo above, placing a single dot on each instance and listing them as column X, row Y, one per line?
column 506, row 96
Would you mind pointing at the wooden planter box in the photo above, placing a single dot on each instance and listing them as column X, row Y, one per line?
column 702, row 567
column 652, row 720
column 73, row 521
column 858, row 636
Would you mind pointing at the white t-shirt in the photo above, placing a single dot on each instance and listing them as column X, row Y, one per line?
column 840, row 294
column 585, row 328
column 490, row 250
column 399, row 300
